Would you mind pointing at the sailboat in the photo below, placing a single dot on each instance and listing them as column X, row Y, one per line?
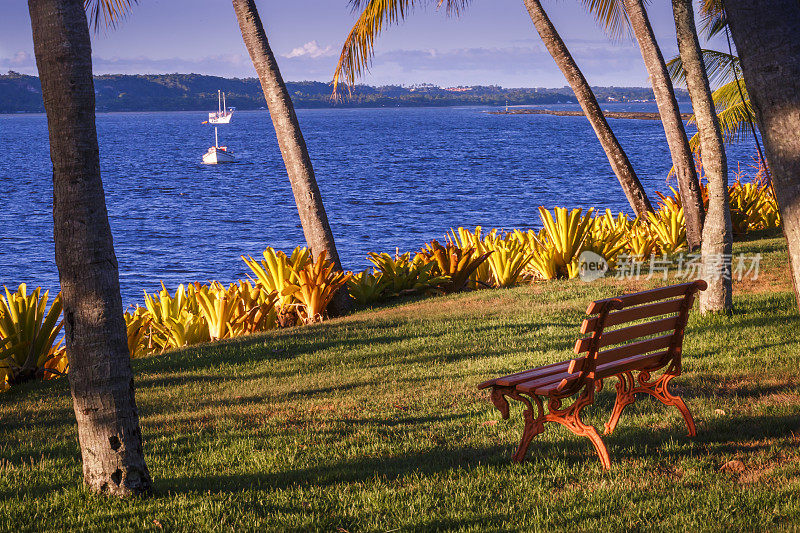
column 223, row 114
column 217, row 154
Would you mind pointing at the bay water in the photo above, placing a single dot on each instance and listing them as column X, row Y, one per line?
column 390, row 178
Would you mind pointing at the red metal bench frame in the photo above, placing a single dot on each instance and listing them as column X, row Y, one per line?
column 580, row 378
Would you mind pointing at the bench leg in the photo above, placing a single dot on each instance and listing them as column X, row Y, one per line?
column 627, row 388
column 534, row 422
column 660, row 390
column 624, row 398
column 571, row 419
column 535, row 419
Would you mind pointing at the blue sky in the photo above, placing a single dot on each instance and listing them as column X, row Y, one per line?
column 493, row 42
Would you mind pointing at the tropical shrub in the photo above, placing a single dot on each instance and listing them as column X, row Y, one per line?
column 566, row 233
column 28, row 336
column 403, row 275
column 317, row 285
column 508, row 259
column 278, row 273
column 366, row 288
column 482, row 276
column 641, row 242
column 455, row 264
column 753, row 206
column 667, row 225
column 608, row 236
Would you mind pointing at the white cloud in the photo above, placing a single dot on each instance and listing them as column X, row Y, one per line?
column 311, row 49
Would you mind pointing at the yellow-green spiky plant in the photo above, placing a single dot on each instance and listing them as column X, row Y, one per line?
column 316, row 287
column 566, row 233
column 29, row 331
column 278, row 273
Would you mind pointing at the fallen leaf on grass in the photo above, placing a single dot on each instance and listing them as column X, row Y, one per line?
column 490, row 423
column 735, row 466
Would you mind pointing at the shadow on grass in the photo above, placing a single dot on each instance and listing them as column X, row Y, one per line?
column 632, row 443
column 334, row 473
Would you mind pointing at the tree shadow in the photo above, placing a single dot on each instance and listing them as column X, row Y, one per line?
column 360, row 470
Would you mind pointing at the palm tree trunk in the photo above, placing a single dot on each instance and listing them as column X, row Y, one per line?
column 717, row 231
column 682, row 159
column 768, row 44
column 316, row 228
column 100, row 373
column 583, row 92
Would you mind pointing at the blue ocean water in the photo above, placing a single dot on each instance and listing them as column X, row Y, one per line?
column 390, row 178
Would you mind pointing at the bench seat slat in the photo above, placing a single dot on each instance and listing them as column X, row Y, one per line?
column 643, row 297
column 626, row 334
column 530, row 386
column 512, row 379
column 634, row 313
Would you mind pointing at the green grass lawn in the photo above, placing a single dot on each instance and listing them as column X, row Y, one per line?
column 373, row 423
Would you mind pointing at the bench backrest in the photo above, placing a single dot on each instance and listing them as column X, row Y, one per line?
column 611, row 351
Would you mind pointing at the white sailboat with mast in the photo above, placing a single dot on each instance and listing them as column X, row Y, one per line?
column 219, row 154
column 224, row 113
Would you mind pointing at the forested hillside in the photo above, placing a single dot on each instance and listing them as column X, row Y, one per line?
column 21, row 93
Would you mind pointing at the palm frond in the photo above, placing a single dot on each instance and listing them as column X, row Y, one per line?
column 720, row 67
column 733, row 114
column 359, row 47
column 110, row 12
column 712, row 18
column 610, row 16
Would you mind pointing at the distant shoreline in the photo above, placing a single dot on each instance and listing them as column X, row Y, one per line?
column 631, row 115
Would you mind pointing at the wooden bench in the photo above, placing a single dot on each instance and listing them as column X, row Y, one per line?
column 609, row 353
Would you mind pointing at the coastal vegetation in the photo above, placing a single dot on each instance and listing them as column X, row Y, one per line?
column 295, row 289
column 372, row 422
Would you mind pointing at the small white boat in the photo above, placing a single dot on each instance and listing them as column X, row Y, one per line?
column 218, row 154
column 223, row 114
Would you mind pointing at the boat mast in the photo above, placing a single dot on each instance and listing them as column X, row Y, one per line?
column 224, row 105
column 216, row 139
column 219, row 101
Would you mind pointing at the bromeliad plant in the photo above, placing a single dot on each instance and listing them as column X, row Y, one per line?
column 366, row 288
column 316, row 287
column 28, row 336
column 566, row 233
column 278, row 273
column 608, row 236
column 508, row 260
column 641, row 242
column 403, row 275
column 667, row 225
column 462, row 238
column 455, row 264
column 753, row 206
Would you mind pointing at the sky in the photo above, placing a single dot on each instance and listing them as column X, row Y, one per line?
column 492, row 43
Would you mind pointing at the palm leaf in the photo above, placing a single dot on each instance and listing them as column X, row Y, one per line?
column 734, row 113
column 712, row 18
column 610, row 16
column 721, row 67
column 359, row 47
column 110, row 12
